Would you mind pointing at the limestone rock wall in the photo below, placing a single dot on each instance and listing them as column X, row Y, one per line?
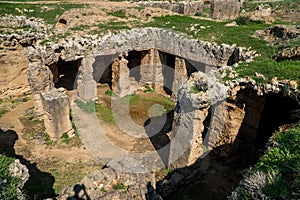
column 225, row 9
column 182, row 7
column 190, row 112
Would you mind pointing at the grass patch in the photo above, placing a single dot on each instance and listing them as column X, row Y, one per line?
column 279, row 170
column 7, row 104
column 109, row 93
column 148, row 89
column 118, row 13
column 65, row 173
column 35, row 10
column 88, row 107
column 105, row 113
column 242, row 36
column 119, row 186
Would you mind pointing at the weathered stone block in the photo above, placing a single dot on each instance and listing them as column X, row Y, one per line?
column 225, row 9
column 57, row 112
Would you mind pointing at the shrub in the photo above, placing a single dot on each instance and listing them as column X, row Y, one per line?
column 8, row 185
column 244, row 20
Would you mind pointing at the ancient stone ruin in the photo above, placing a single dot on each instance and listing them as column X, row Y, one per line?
column 219, row 9
column 128, row 60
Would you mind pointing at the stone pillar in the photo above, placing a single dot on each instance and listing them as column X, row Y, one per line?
column 120, row 77
column 180, row 74
column 147, row 67
column 57, row 113
column 40, row 80
column 86, row 85
column 158, row 71
column 186, row 143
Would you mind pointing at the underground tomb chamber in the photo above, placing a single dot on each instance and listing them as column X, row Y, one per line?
column 217, row 174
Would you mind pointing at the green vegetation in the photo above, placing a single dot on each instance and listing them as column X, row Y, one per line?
column 8, row 184
column 284, row 4
column 119, row 186
column 35, row 10
column 243, row 20
column 242, row 36
column 88, row 107
column 194, row 90
column 118, row 13
column 109, row 92
column 277, row 173
column 7, row 104
column 105, row 113
column 130, row 99
column 148, row 89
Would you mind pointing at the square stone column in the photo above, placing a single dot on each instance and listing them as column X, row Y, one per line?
column 158, row 78
column 186, row 142
column 120, row 77
column 86, row 85
column 57, row 112
column 180, row 74
column 147, row 62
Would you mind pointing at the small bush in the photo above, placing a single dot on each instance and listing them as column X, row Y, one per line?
column 119, row 186
column 8, row 185
column 243, row 20
column 109, row 92
column 148, row 89
column 194, row 90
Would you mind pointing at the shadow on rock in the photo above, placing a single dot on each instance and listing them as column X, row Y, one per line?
column 79, row 193
column 39, row 184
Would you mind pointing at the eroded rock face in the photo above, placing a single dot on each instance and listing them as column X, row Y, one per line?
column 183, row 7
column 110, row 184
column 288, row 54
column 56, row 106
column 225, row 9
column 279, row 34
column 195, row 97
column 18, row 170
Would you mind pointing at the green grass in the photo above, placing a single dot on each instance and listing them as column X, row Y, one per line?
column 119, row 186
column 88, row 107
column 148, row 89
column 105, row 113
column 242, row 36
column 130, row 99
column 284, row 4
column 8, row 190
column 49, row 16
column 118, row 13
column 283, row 161
column 109, row 92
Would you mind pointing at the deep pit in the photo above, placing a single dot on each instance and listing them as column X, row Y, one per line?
column 218, row 173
